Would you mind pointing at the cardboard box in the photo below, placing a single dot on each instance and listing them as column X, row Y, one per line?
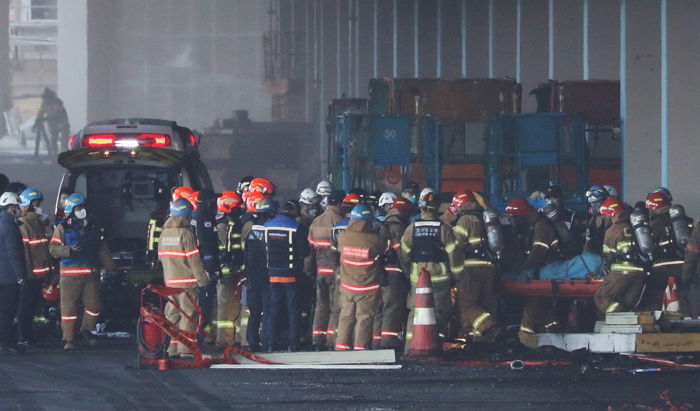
column 666, row 342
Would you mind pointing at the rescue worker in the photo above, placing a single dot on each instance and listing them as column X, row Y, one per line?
column 623, row 285
column 360, row 249
column 597, row 223
column 475, row 284
column 411, row 191
column 243, row 185
column 53, row 113
column 257, row 279
column 38, row 262
column 668, row 260
column 429, row 243
column 204, row 223
column 155, row 224
column 228, row 288
column 372, row 200
column 386, row 200
column 324, row 189
column 389, row 315
column 182, row 268
column 262, row 185
column 12, row 269
column 538, row 241
column 326, row 261
column 286, row 245
column 310, row 206
column 82, row 247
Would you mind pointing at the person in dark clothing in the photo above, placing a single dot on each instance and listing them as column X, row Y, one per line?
column 12, row 269
column 204, row 222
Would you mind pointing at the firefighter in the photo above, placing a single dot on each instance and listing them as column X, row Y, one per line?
column 82, row 248
column 623, row 285
column 262, row 185
column 360, row 249
column 326, row 262
column 310, row 206
column 386, row 200
column 324, row 189
column 597, row 223
column 257, row 279
column 243, row 185
column 389, row 315
column 53, row 113
column 182, row 268
column 286, row 245
column 539, row 242
column 228, row 295
column 668, row 260
column 38, row 261
column 475, row 284
column 155, row 224
column 429, row 243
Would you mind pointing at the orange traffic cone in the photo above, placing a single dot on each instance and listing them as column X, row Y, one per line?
column 671, row 302
column 425, row 344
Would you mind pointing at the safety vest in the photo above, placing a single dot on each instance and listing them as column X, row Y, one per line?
column 427, row 244
column 155, row 227
column 88, row 239
column 282, row 253
column 255, row 257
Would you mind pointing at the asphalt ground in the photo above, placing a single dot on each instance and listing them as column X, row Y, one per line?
column 105, row 378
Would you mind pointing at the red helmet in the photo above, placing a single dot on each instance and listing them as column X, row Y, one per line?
column 462, row 197
column 519, row 207
column 51, row 293
column 656, row 201
column 611, row 207
column 252, row 199
column 402, row 204
column 352, row 200
column 228, row 201
column 262, row 185
column 182, row 192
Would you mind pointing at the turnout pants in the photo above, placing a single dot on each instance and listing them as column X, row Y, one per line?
column 327, row 308
column 620, row 291
column 228, row 308
column 29, row 296
column 538, row 313
column 77, row 290
column 443, row 309
column 187, row 301
column 9, row 296
column 284, row 308
column 390, row 311
column 355, row 321
column 474, row 290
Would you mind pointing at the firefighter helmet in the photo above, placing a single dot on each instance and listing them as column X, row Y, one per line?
column 265, row 205
column 665, row 191
column 361, row 212
column 252, row 199
column 402, row 204
column 227, row 201
column 657, row 201
column 324, row 188
column 612, row 191
column 72, row 201
column 182, row 192
column 611, row 207
column 29, row 195
column 52, row 292
column 596, row 193
column 309, row 196
column 180, row 208
column 387, row 198
column 351, row 200
column 519, row 207
column 243, row 184
column 262, row 185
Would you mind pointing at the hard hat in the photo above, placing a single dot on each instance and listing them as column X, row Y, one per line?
column 309, row 196
column 402, row 204
column 182, row 192
column 612, row 191
column 336, row 197
column 359, row 191
column 252, row 199
column 459, row 199
column 324, row 188
column 265, row 205
column 519, row 207
column 9, row 198
column 411, row 186
column 656, row 201
column 429, row 201
column 28, row 196
column 227, row 201
column 611, row 207
column 665, row 191
column 352, row 199
column 71, row 202
column 263, row 185
column 361, row 212
column 372, row 199
column 181, row 208
column 425, row 191
column 596, row 193
column 387, row 198
column 243, row 184
column 552, row 191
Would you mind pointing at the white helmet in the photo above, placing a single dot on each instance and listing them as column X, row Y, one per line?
column 324, row 188
column 309, row 196
column 612, row 191
column 9, row 198
column 386, row 198
column 425, row 191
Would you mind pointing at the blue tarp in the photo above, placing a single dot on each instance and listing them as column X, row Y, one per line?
column 582, row 266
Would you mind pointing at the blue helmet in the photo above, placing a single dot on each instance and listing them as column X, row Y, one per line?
column 73, row 201
column 596, row 193
column 29, row 195
column 361, row 212
column 265, row 205
column 180, row 208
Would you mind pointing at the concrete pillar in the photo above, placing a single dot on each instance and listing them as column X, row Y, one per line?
column 534, row 49
column 568, row 40
column 72, row 56
column 603, row 44
column 5, row 97
column 642, row 121
column 683, row 83
column 504, row 38
column 477, row 39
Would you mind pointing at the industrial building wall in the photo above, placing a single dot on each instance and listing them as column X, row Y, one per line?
column 5, row 97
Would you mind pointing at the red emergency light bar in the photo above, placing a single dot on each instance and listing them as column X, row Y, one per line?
column 112, row 140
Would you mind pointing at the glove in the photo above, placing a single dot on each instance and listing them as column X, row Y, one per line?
column 75, row 249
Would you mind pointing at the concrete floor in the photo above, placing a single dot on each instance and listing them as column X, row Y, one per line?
column 105, row 378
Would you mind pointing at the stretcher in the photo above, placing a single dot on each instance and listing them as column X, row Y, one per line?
column 574, row 288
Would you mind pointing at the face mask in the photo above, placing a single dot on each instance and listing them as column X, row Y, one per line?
column 80, row 214
column 412, row 198
column 313, row 211
column 39, row 210
column 324, row 203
